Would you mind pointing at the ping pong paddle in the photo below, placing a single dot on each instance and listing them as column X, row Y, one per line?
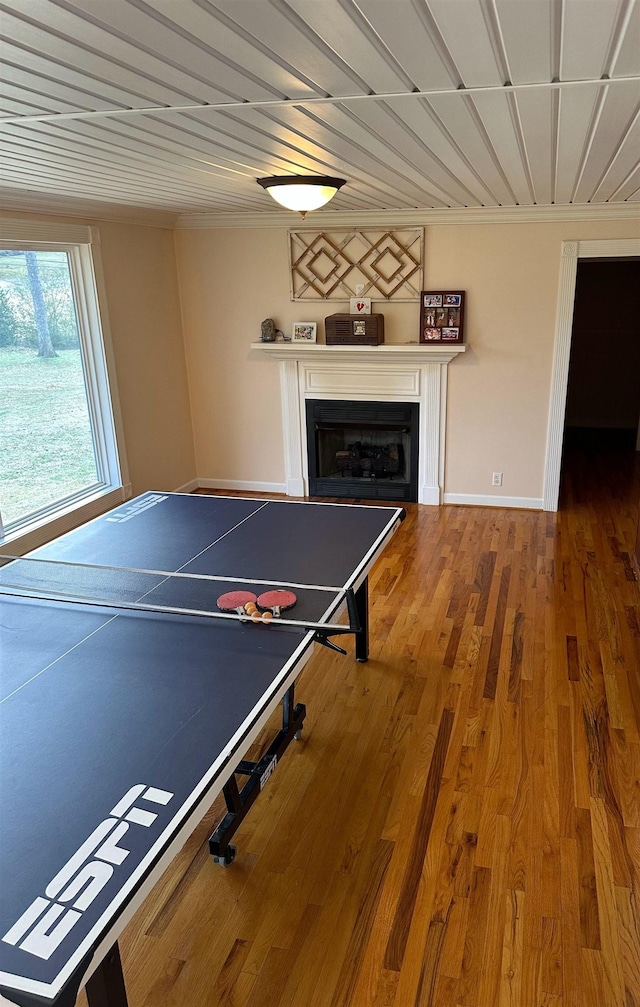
column 244, row 603
column 278, row 601
column 236, row 601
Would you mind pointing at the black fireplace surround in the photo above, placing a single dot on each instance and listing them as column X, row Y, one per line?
column 363, row 450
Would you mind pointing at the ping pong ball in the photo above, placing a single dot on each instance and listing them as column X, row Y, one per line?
column 267, row 616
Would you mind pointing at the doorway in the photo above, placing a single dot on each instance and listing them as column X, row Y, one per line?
column 603, row 389
column 572, row 253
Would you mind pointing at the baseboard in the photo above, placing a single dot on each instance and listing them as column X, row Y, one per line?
column 466, row 499
column 429, row 495
column 189, row 487
column 487, row 500
column 240, row 484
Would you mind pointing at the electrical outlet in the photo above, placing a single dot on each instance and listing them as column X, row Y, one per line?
column 359, row 289
column 497, row 479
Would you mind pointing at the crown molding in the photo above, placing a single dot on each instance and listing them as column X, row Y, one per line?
column 62, row 206
column 414, row 217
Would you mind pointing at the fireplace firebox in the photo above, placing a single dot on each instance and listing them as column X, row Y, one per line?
column 363, row 450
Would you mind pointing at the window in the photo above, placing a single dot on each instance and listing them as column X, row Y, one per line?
column 58, row 446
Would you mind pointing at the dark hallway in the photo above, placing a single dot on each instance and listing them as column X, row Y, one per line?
column 603, row 392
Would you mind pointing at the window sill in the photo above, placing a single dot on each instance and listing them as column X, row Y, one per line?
column 37, row 533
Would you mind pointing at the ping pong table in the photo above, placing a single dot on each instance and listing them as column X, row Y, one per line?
column 129, row 703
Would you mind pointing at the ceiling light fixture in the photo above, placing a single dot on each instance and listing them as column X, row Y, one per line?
column 301, row 192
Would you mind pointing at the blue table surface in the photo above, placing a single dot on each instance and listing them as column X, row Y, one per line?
column 95, row 700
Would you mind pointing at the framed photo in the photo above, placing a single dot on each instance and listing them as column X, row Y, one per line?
column 442, row 316
column 454, row 317
column 304, row 332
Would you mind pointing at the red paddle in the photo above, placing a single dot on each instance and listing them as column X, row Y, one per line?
column 244, row 603
column 236, row 601
column 278, row 601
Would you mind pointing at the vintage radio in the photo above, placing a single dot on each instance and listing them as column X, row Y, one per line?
column 358, row 330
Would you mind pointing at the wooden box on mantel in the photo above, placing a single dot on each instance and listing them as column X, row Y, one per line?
column 357, row 330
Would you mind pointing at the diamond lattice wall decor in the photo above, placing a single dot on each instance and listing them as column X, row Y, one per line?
column 327, row 265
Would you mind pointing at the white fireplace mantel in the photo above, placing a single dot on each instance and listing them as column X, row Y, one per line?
column 407, row 372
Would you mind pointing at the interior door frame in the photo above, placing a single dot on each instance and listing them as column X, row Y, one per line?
column 571, row 252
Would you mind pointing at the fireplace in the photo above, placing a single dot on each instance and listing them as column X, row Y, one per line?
column 385, row 375
column 363, row 450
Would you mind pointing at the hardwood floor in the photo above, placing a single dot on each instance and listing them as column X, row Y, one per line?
column 460, row 825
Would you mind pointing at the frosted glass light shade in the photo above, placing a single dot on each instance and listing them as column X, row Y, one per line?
column 302, row 197
column 301, row 192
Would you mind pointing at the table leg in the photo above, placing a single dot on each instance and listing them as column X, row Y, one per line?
column 362, row 608
column 106, row 986
column 258, row 773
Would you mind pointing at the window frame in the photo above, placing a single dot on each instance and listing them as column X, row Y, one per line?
column 81, row 243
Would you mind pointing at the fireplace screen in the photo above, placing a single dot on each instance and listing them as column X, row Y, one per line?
column 362, row 449
column 361, row 453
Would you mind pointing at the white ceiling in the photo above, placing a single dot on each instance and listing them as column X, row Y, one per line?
column 179, row 105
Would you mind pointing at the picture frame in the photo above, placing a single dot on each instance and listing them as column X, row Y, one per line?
column 304, row 332
column 442, row 316
column 360, row 306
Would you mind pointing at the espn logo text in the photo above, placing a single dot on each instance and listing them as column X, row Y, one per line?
column 47, row 921
column 135, row 508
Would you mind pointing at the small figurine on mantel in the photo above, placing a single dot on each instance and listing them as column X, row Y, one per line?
column 269, row 333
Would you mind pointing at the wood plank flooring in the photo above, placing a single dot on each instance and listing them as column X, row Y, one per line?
column 460, row 824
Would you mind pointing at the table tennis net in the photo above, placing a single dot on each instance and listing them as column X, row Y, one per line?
column 168, row 592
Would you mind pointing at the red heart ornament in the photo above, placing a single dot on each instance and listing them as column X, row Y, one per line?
column 360, row 305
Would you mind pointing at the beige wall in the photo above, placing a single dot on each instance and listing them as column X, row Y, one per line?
column 146, row 328
column 499, row 390
column 229, row 281
column 143, row 309
column 218, row 418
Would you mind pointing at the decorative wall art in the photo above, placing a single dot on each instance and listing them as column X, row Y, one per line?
column 442, row 316
column 327, row 265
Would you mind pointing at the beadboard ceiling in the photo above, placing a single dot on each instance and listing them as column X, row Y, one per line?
column 177, row 106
